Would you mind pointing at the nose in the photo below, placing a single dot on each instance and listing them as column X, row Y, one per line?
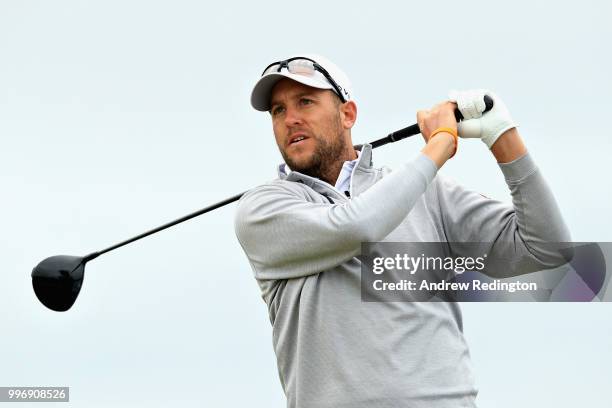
column 292, row 117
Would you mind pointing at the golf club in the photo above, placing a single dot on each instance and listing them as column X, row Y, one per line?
column 57, row 280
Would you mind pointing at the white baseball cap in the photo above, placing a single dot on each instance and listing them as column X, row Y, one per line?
column 303, row 68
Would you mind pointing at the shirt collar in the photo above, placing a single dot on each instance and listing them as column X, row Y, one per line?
column 364, row 161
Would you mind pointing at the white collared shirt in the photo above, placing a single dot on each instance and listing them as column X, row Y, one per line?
column 346, row 174
column 343, row 183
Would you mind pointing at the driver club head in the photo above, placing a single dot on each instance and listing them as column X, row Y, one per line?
column 57, row 281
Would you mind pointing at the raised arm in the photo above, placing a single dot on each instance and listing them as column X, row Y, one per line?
column 530, row 228
column 286, row 235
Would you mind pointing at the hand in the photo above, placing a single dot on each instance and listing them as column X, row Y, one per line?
column 443, row 146
column 488, row 127
column 441, row 115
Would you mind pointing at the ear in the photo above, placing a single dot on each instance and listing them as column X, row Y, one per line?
column 348, row 111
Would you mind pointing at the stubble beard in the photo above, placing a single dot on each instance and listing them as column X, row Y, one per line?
column 326, row 160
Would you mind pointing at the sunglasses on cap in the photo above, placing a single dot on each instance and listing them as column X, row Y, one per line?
column 306, row 67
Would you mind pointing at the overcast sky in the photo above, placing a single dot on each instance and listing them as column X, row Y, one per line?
column 118, row 116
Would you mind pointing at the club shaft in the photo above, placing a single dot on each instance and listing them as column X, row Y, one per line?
column 167, row 225
column 390, row 138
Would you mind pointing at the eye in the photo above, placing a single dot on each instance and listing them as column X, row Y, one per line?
column 306, row 101
column 276, row 110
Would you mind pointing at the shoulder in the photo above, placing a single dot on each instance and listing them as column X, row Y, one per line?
column 269, row 197
column 271, row 190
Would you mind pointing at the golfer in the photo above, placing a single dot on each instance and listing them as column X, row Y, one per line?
column 302, row 234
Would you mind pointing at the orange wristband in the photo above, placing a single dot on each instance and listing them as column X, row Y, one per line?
column 447, row 130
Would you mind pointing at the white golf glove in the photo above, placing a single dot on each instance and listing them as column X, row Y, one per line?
column 487, row 127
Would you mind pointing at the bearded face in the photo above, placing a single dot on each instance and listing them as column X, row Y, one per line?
column 308, row 129
column 317, row 152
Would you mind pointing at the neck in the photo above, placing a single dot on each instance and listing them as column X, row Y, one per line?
column 332, row 171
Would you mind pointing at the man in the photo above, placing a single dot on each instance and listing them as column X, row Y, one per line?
column 302, row 236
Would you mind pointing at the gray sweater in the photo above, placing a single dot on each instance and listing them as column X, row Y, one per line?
column 303, row 238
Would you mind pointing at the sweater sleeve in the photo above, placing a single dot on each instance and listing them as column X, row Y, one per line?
column 527, row 234
column 284, row 235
